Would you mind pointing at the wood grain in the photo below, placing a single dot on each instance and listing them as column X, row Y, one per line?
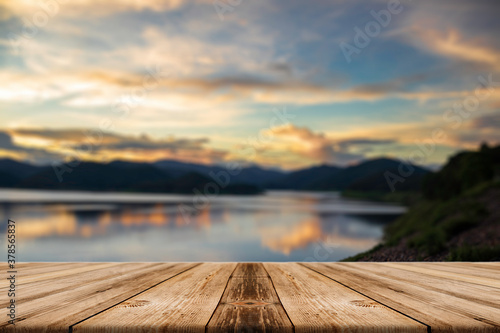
column 464, row 275
column 51, row 272
column 184, row 303
column 53, row 306
column 250, row 304
column 254, row 297
column 471, row 272
column 442, row 312
column 315, row 303
column 475, row 292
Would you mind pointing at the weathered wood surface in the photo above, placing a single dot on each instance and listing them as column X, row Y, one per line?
column 406, row 292
column 55, row 304
column 254, row 297
column 182, row 304
column 316, row 303
column 250, row 303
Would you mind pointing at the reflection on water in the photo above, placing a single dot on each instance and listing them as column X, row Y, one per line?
column 278, row 226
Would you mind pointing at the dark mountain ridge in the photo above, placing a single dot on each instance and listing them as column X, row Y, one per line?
column 171, row 176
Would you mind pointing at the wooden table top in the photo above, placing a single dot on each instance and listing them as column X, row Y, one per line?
column 254, row 297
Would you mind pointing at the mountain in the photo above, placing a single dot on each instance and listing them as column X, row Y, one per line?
column 305, row 178
column 258, row 176
column 8, row 180
column 369, row 176
column 170, row 176
column 463, row 171
column 19, row 169
column 177, row 168
column 90, row 176
column 457, row 217
column 251, row 175
column 197, row 183
column 124, row 176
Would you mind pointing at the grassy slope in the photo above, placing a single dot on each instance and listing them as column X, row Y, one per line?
column 464, row 228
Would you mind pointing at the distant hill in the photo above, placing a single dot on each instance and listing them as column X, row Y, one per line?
column 19, row 169
column 458, row 217
column 118, row 176
column 177, row 168
column 8, row 179
column 305, row 178
column 95, row 177
column 251, row 175
column 170, row 176
column 369, row 176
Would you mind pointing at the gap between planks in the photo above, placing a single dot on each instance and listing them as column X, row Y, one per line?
column 263, row 297
column 70, row 330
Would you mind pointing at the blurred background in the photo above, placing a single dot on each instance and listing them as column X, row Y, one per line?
column 196, row 130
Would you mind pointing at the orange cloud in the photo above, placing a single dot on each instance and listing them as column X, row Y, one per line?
column 104, row 146
column 452, row 44
column 311, row 145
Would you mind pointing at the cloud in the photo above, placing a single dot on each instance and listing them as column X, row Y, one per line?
column 472, row 139
column 491, row 121
column 313, row 146
column 9, row 148
column 61, row 135
column 464, row 42
column 452, row 44
column 346, row 144
column 88, row 7
column 278, row 91
column 484, row 128
column 291, row 147
column 6, row 142
column 223, row 74
column 102, row 146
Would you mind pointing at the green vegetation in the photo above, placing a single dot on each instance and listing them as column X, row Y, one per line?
column 478, row 253
column 360, row 256
column 454, row 201
column 464, row 171
column 429, row 225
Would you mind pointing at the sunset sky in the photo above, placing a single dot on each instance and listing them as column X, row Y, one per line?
column 193, row 81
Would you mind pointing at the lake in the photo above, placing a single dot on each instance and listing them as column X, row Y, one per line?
column 276, row 226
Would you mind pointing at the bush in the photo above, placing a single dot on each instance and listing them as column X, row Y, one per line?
column 430, row 242
column 457, row 225
column 469, row 253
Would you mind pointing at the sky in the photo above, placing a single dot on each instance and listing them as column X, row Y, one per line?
column 282, row 84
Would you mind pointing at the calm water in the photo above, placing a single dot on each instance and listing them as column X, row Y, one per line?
column 277, row 226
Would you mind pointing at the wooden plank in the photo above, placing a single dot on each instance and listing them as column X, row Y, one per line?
column 478, row 293
column 54, row 305
column 250, row 304
column 45, row 287
column 49, row 272
column 487, row 265
column 442, row 312
column 492, row 282
column 184, row 303
column 483, row 264
column 495, row 265
column 489, row 272
column 28, row 269
column 315, row 303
